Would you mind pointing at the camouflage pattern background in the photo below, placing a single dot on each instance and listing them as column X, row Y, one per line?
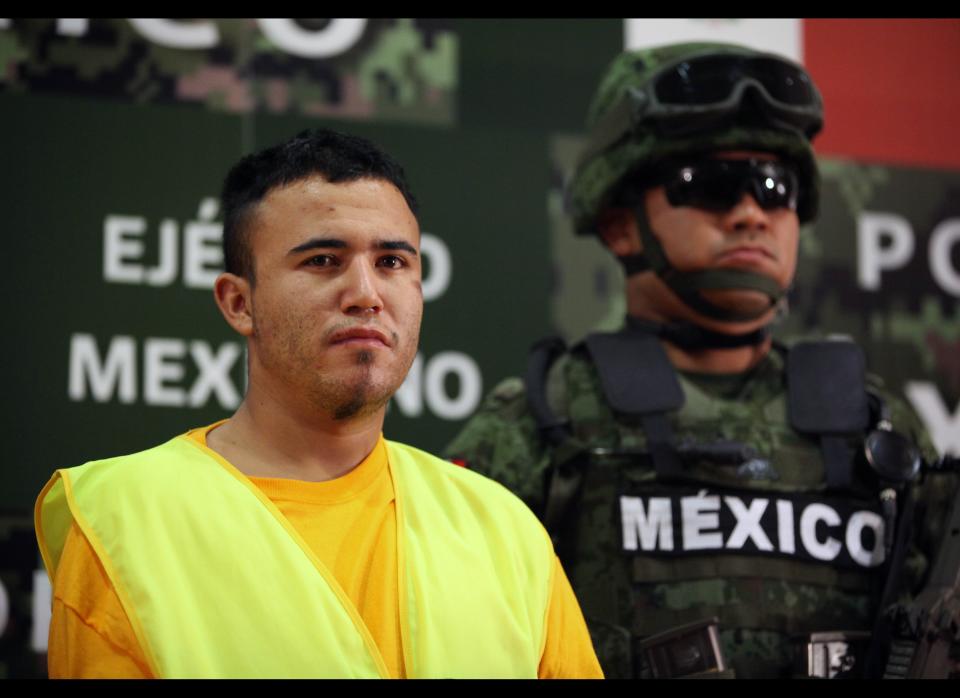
column 396, row 69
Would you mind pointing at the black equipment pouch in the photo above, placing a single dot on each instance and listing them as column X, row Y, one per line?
column 638, row 379
column 827, row 396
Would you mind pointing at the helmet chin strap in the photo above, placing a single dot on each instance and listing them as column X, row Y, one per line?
column 688, row 285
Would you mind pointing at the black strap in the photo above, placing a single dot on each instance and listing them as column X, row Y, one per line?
column 687, row 285
column 634, row 263
column 564, row 478
column 666, row 461
column 636, row 376
column 542, row 355
column 837, row 460
column 638, row 379
column 882, row 628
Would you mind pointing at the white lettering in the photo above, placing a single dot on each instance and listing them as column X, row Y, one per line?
column 40, row 629
column 814, row 513
column 942, row 240
column 118, row 374
column 72, row 27
column 785, row 526
column 409, row 397
column 119, row 248
column 872, row 229
column 176, row 34
column 646, row 528
column 470, row 385
column 700, row 513
column 161, row 366
column 166, row 270
column 437, row 253
column 202, row 253
column 748, row 523
column 214, row 374
column 859, row 521
column 944, row 428
column 338, row 36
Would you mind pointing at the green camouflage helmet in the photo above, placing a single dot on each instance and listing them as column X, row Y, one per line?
column 625, row 138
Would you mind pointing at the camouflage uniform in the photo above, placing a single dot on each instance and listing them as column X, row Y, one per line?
column 762, row 603
column 634, row 580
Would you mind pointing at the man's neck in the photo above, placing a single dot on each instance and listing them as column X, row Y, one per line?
column 268, row 438
column 711, row 359
column 735, row 360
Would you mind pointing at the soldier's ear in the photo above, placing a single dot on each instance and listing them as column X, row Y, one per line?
column 618, row 229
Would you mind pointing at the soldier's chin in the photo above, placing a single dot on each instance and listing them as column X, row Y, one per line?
column 743, row 302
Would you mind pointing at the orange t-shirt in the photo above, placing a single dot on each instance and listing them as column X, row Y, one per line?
column 350, row 524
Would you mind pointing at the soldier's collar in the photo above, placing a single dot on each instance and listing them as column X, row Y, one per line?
column 687, row 335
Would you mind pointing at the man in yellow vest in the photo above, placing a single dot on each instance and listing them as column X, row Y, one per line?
column 292, row 540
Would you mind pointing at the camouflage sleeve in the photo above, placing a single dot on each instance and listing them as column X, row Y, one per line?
column 934, row 492
column 502, row 442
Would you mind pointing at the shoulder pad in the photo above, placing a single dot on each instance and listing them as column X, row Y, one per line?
column 636, row 375
column 826, row 387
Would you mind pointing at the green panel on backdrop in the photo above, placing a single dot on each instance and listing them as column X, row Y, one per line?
column 75, row 162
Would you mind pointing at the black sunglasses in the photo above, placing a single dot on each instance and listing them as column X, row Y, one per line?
column 719, row 185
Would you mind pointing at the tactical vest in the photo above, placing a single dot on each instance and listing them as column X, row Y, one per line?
column 669, row 505
column 217, row 583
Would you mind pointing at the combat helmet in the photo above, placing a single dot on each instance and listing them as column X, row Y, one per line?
column 684, row 100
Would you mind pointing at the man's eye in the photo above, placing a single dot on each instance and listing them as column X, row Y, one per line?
column 392, row 261
column 322, row 260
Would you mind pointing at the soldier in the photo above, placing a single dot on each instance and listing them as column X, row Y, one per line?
column 690, row 468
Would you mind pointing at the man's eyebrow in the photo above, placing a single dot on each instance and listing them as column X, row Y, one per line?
column 397, row 245
column 318, row 243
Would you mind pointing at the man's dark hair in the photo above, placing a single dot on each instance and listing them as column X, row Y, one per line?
column 337, row 157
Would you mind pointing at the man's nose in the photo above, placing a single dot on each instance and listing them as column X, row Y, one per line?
column 747, row 216
column 361, row 292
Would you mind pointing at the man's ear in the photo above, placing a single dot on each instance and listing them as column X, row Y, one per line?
column 618, row 229
column 233, row 296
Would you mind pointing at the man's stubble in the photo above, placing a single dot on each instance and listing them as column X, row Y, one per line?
column 285, row 350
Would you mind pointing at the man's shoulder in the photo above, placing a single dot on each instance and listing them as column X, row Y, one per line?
column 135, row 467
column 446, row 475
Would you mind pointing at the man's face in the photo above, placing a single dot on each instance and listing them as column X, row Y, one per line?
column 337, row 302
column 744, row 237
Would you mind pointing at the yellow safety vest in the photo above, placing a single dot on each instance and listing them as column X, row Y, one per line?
column 217, row 583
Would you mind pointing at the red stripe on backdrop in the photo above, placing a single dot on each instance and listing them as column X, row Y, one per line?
column 891, row 88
